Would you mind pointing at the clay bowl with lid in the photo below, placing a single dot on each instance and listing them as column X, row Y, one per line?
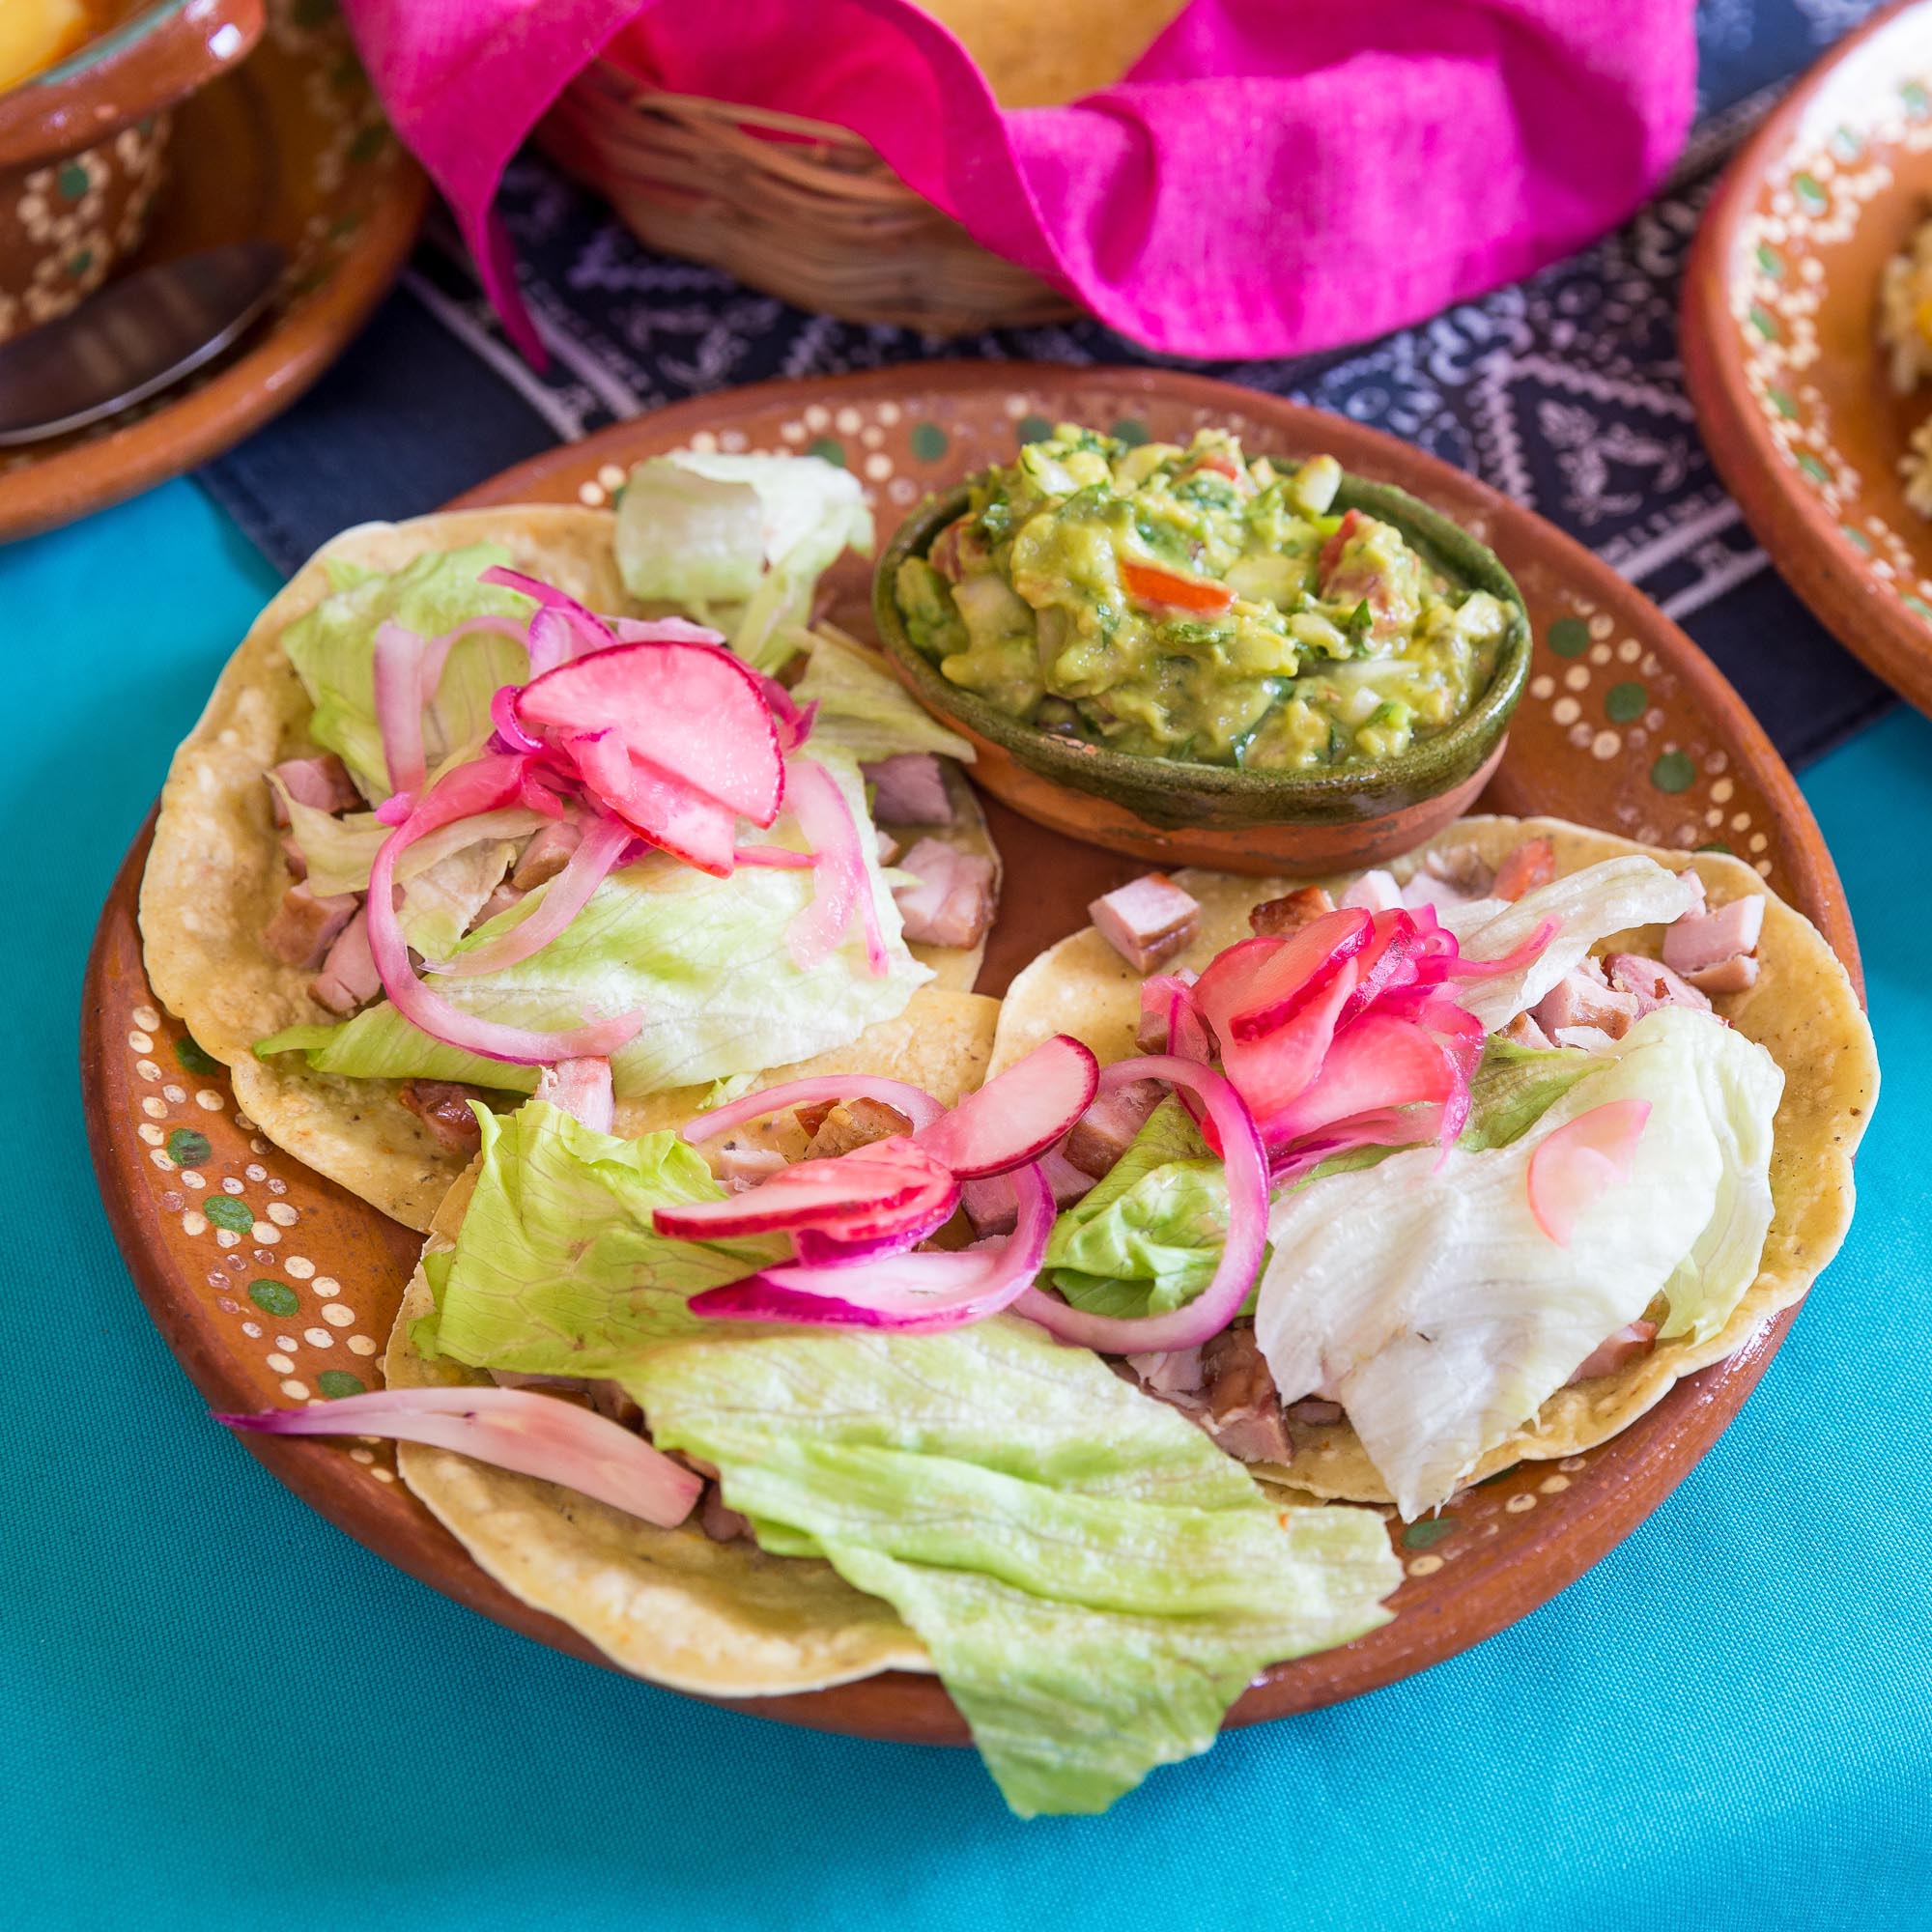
column 83, row 144
column 1186, row 813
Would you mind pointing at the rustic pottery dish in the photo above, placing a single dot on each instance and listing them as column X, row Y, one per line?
column 290, row 147
column 274, row 1287
column 1781, row 348
column 84, row 146
column 1187, row 813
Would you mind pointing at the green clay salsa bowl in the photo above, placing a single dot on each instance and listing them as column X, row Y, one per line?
column 1181, row 811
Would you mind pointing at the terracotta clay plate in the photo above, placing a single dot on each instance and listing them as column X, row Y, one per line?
column 1780, row 347
column 273, row 1286
column 292, row 147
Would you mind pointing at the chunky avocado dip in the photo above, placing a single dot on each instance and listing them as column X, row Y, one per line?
column 1178, row 603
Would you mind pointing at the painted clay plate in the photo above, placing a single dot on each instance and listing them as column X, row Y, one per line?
column 1781, row 345
column 292, row 147
column 274, row 1287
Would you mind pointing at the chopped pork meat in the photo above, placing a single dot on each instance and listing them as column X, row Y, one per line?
column 1245, row 1414
column 852, row 1125
column 989, row 1203
column 1172, row 1373
column 1627, row 1344
column 1735, row 975
column 1652, row 983
column 546, row 855
column 1291, row 912
column 1525, row 1032
column 296, row 858
column 1586, row 998
column 1376, row 891
column 1100, row 1136
column 1461, row 866
column 304, row 927
column 1312, row 1411
column 950, row 899
column 889, row 847
column 501, row 900
column 1145, row 921
column 442, row 1106
column 909, row 789
column 347, row 978
column 737, row 1167
column 1701, row 941
column 322, row 781
column 1531, row 865
column 613, row 1400
column 721, row 1523
column 1151, row 1031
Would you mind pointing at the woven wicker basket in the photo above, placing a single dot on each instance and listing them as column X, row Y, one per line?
column 805, row 210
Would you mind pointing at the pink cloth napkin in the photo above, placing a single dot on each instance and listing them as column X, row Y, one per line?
column 1274, row 176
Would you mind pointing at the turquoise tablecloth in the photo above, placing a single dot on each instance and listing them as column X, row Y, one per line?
column 216, row 1711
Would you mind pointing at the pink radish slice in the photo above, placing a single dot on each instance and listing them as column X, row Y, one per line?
column 604, row 843
column 657, row 805
column 509, row 1429
column 1388, row 962
column 1378, row 1063
column 909, row 1294
column 1580, row 1161
column 913, row 1102
column 875, row 1190
column 1017, row 1116
column 841, row 884
column 592, row 632
column 1290, row 976
column 583, row 1090
column 485, row 785
column 692, row 711
column 1216, row 1305
column 814, row 1248
column 1271, row 1073
column 1515, row 960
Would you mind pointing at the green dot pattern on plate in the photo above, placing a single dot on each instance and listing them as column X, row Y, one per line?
column 1428, row 1530
column 78, row 264
column 1673, row 772
column 71, row 180
column 1623, row 703
column 1782, row 404
column 272, row 1297
column 930, row 442
column 368, row 145
column 1033, row 429
column 1764, row 321
column 225, row 1212
column 1770, row 261
column 1569, row 636
column 1715, row 845
column 194, row 1057
column 829, row 448
column 1848, row 144
column 1810, row 191
column 1813, row 469
column 187, row 1148
column 1919, row 607
column 335, row 1383
column 1915, row 98
column 1855, row 539
column 1131, row 431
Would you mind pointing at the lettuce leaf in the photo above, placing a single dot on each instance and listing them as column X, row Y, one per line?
column 333, row 651
column 706, row 961
column 340, row 851
column 1095, row 1580
column 863, row 707
column 556, row 1269
column 1427, row 1301
column 439, row 901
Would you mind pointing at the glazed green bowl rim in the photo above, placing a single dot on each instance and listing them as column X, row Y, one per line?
column 1425, row 770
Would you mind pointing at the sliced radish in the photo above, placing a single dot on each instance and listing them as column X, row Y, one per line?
column 693, row 711
column 841, row 884
column 1271, row 1073
column 1283, row 976
column 909, row 1294
column 873, row 1191
column 1016, row 1116
column 654, row 803
column 510, row 1429
column 1580, row 1161
column 1389, row 961
column 1378, row 1063
column 913, row 1102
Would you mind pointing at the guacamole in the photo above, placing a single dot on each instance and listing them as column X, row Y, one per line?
column 1178, row 603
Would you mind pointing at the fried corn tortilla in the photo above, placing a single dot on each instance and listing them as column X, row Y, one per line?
column 1803, row 1011
column 216, row 874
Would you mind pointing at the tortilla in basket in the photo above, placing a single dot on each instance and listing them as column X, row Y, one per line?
column 1803, row 1011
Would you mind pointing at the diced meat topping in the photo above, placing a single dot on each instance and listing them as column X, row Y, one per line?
column 855, row 1123
column 1312, row 1411
column 1245, row 1414
column 909, row 789
column 1525, row 1031
column 889, row 847
column 1699, row 941
column 950, row 899
column 304, row 927
column 812, row 1117
column 1531, row 865
column 1652, row 983
column 322, row 781
column 1461, row 866
column 1627, row 1344
column 611, row 1399
column 546, row 855
column 1100, row 1136
column 347, row 978
column 737, row 1167
column 442, row 1106
column 989, row 1204
column 501, row 900
column 719, row 1521
column 1145, row 921
column 1736, row 975
column 1174, row 1371
column 295, row 857
column 1291, row 912
column 1150, row 1030
column 1586, row 998
column 1376, row 891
